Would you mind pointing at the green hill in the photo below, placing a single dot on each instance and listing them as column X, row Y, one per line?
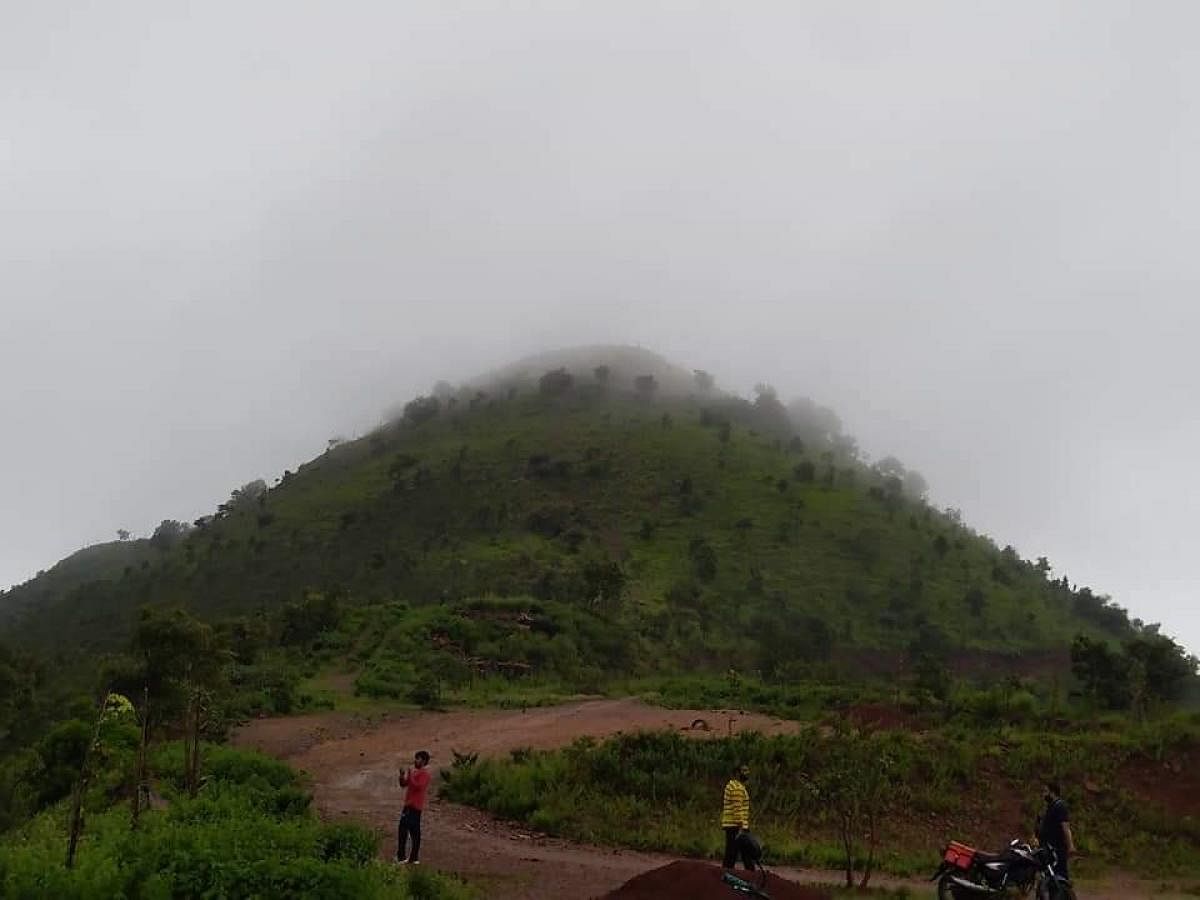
column 56, row 586
column 619, row 516
column 565, row 525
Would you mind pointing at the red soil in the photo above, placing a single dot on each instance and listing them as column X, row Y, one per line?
column 690, row 880
column 883, row 716
column 1172, row 785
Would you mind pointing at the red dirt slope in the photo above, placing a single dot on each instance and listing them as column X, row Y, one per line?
column 690, row 880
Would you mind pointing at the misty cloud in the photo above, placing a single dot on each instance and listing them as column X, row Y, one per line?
column 228, row 233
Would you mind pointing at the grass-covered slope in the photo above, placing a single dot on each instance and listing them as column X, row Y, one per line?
column 673, row 530
column 106, row 562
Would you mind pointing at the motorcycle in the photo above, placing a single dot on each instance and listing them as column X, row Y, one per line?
column 752, row 854
column 968, row 874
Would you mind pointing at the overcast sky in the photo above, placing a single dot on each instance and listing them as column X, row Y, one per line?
column 229, row 231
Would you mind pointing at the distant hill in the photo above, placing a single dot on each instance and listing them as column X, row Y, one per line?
column 674, row 525
column 99, row 563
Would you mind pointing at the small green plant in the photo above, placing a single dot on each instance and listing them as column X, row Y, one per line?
column 463, row 760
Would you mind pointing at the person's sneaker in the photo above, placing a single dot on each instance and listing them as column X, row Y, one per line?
column 414, row 862
column 401, row 862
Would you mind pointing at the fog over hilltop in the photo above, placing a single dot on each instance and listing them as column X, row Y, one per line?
column 229, row 233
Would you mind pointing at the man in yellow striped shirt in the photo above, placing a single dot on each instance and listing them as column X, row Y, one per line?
column 735, row 816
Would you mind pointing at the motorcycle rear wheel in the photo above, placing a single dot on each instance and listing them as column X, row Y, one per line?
column 1048, row 891
column 946, row 889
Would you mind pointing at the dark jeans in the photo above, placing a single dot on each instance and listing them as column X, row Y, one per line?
column 1061, row 865
column 733, row 849
column 410, row 824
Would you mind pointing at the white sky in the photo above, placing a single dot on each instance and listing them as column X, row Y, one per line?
column 229, row 231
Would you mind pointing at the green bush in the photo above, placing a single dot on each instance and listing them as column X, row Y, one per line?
column 426, row 692
column 347, row 841
column 61, row 754
column 253, row 773
column 248, row 834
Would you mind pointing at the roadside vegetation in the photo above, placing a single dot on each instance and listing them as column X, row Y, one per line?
column 837, row 797
column 247, row 831
column 130, row 797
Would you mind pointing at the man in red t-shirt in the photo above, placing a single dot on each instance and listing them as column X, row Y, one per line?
column 415, row 781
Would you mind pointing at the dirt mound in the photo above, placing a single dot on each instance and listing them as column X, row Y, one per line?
column 689, row 880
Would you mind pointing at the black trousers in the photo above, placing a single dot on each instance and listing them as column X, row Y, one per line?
column 410, row 824
column 733, row 849
column 1061, row 865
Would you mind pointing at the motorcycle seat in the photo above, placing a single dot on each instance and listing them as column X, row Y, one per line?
column 984, row 857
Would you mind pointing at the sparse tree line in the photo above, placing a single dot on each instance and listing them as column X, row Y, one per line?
column 801, row 424
column 1142, row 673
column 178, row 679
column 170, row 532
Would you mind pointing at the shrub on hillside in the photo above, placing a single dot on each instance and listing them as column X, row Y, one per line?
column 804, row 472
column 304, row 620
column 555, row 383
column 645, row 385
column 704, row 559
column 421, row 409
column 426, row 692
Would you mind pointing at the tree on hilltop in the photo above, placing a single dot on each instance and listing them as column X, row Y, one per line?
column 555, row 383
column 645, row 385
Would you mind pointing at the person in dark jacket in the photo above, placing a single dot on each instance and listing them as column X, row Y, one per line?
column 1054, row 830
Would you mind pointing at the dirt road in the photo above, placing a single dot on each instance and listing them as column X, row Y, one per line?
column 352, row 762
